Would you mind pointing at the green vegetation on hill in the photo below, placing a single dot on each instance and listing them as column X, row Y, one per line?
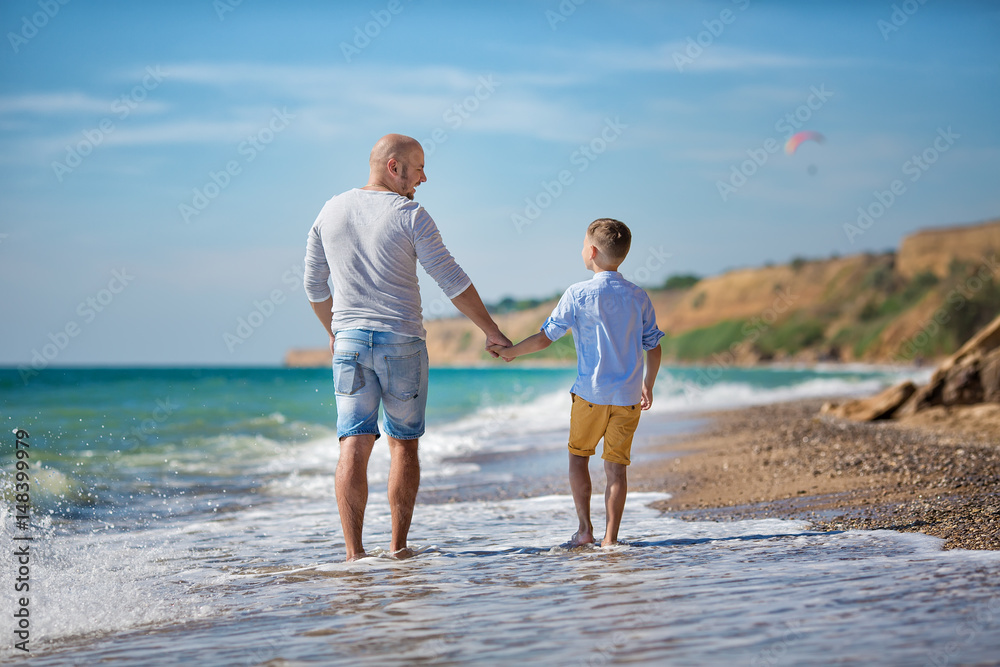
column 792, row 335
column 511, row 305
column 886, row 296
column 970, row 299
column 681, row 281
column 704, row 342
column 869, row 301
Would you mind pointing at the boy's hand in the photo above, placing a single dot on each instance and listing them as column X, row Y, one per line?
column 647, row 398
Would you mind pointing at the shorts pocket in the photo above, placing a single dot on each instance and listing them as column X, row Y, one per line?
column 348, row 377
column 404, row 376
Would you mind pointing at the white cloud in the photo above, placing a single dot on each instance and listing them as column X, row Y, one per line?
column 53, row 103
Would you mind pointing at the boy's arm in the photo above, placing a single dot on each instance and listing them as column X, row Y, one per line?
column 530, row 344
column 652, row 368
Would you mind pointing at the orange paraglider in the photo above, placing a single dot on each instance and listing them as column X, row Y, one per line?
column 806, row 135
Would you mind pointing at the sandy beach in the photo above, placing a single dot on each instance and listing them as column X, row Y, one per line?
column 938, row 473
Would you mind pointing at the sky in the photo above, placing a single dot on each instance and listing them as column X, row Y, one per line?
column 162, row 162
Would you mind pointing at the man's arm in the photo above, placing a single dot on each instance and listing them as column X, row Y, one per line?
column 652, row 368
column 471, row 305
column 530, row 344
column 324, row 311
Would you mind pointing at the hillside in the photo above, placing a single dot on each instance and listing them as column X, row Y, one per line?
column 919, row 303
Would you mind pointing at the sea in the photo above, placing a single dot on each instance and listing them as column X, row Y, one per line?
column 187, row 516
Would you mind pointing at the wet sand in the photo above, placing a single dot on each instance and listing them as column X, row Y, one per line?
column 938, row 473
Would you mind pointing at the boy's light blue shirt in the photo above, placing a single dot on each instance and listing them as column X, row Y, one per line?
column 613, row 322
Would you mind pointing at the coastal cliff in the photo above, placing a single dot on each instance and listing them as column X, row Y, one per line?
column 917, row 304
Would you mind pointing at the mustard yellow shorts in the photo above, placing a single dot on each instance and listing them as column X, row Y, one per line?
column 589, row 422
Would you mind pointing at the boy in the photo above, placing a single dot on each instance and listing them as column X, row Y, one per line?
column 612, row 322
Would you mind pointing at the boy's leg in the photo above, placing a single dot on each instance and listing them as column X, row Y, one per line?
column 614, row 499
column 579, row 482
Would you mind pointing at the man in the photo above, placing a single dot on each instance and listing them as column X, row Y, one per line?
column 367, row 242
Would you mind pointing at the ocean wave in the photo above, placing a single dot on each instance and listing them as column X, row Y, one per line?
column 685, row 396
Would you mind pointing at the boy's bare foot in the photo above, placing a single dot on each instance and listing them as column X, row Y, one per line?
column 609, row 543
column 579, row 539
column 357, row 556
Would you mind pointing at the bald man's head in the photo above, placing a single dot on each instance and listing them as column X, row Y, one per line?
column 397, row 164
column 397, row 146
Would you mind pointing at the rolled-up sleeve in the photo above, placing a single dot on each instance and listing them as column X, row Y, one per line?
column 651, row 334
column 561, row 319
column 316, row 278
column 435, row 258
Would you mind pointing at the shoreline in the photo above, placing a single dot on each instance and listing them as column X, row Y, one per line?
column 938, row 474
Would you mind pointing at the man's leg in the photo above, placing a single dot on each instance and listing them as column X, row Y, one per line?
column 404, row 480
column 579, row 482
column 614, row 499
column 352, row 490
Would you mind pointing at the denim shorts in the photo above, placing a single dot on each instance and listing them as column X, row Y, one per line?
column 373, row 367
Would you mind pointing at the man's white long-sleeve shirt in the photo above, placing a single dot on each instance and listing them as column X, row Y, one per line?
column 367, row 244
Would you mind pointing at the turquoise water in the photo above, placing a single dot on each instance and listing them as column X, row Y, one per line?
column 188, row 515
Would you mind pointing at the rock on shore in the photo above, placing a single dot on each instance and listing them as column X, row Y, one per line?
column 969, row 377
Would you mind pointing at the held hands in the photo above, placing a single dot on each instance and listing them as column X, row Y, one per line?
column 501, row 351
column 496, row 343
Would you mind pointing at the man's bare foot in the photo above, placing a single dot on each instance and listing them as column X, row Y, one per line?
column 609, row 543
column 579, row 539
column 357, row 556
column 404, row 553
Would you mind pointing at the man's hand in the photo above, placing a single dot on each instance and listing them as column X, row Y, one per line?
column 496, row 340
column 331, row 344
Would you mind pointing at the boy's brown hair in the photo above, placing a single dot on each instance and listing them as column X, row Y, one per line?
column 612, row 237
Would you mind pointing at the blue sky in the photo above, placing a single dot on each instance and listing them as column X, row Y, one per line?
column 162, row 162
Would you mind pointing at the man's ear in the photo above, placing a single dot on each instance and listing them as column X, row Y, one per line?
column 391, row 164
